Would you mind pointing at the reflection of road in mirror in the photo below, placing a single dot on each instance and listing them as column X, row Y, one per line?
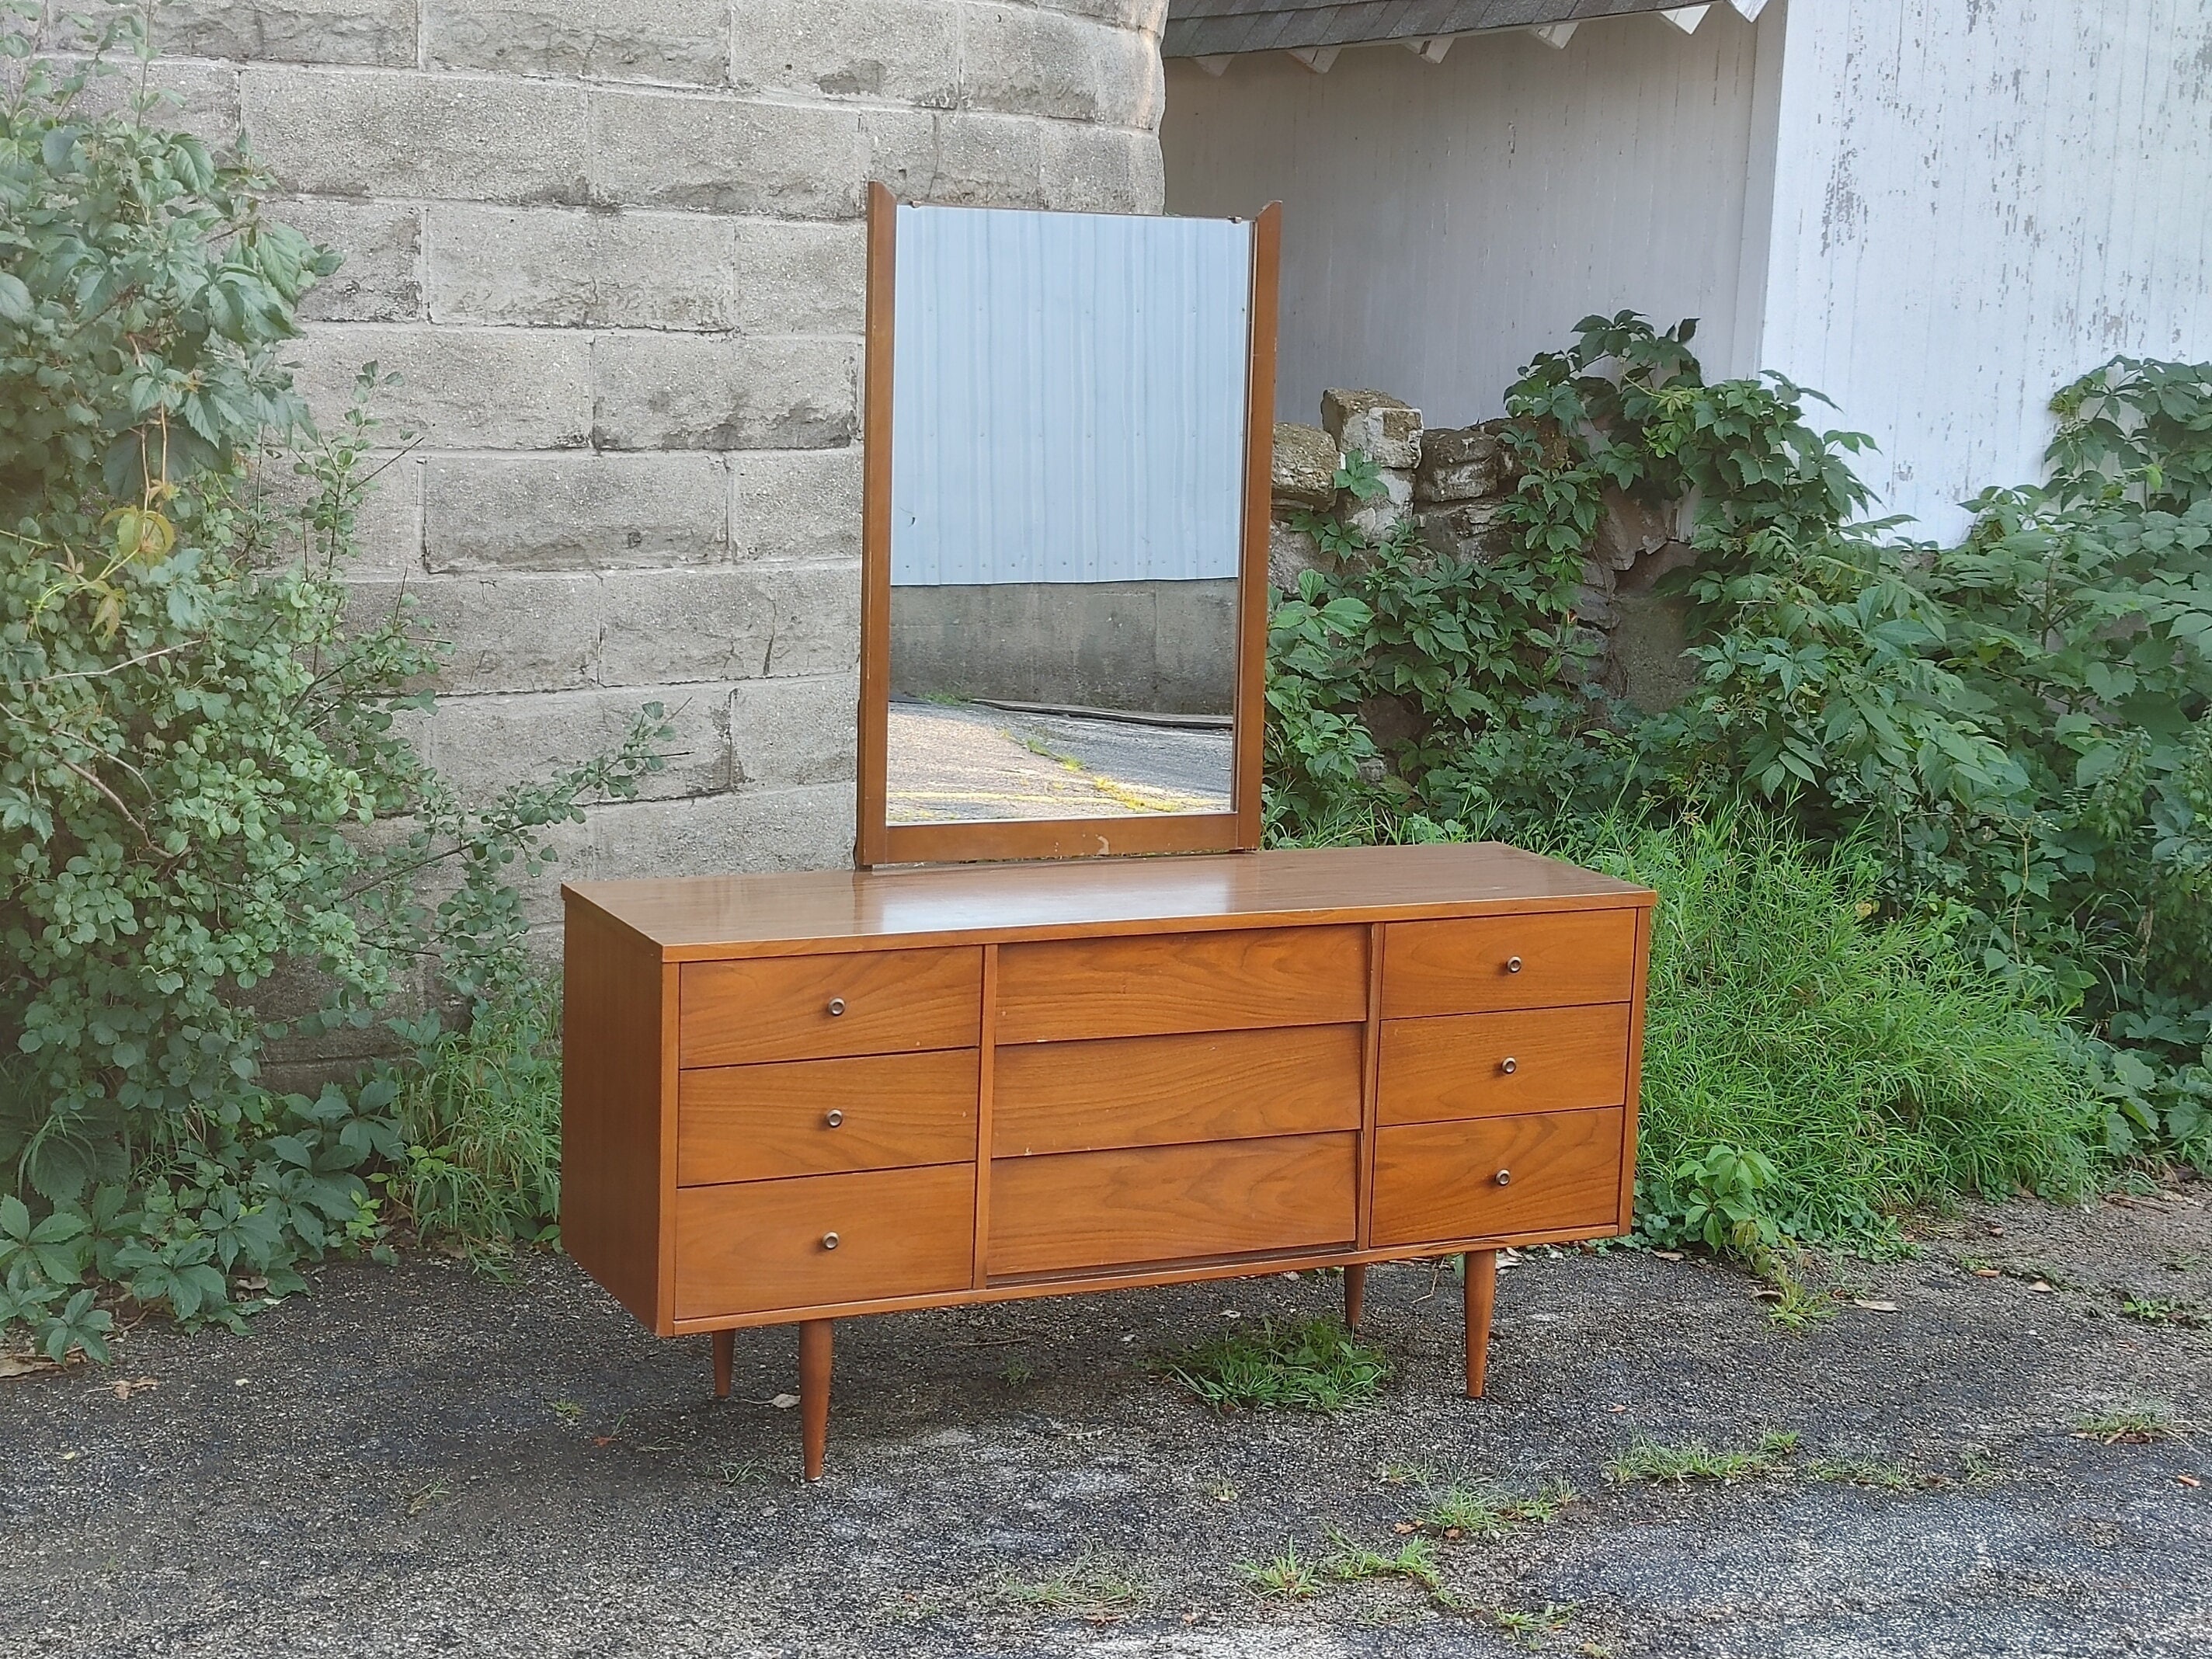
column 950, row 762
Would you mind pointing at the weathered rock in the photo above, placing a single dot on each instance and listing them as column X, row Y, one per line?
column 1306, row 459
column 1459, row 463
column 1647, row 645
column 1630, row 528
column 1474, row 531
column 1380, row 427
column 1291, row 554
column 1374, row 518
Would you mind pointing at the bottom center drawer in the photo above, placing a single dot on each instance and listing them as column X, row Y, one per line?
column 1067, row 1211
column 748, row 1246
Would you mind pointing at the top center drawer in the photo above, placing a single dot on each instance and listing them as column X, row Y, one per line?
column 872, row 1002
column 1235, row 980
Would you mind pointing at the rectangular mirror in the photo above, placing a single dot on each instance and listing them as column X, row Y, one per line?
column 1064, row 582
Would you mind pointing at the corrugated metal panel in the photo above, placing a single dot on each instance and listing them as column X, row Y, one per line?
column 1068, row 396
column 1207, row 28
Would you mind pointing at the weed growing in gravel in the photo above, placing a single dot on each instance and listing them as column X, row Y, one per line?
column 1489, row 1513
column 1694, row 1460
column 1092, row 1588
column 1415, row 1562
column 1529, row 1629
column 1855, row 1472
column 1284, row 1575
column 2139, row 1425
column 1300, row 1365
column 2162, row 1310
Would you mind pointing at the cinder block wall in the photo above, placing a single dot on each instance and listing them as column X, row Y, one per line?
column 614, row 247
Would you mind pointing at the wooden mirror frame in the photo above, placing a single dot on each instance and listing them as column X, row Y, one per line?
column 879, row 841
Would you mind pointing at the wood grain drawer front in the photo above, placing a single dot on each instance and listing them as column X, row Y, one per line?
column 1533, row 1060
column 825, row 1116
column 1159, row 1091
column 760, row 1244
column 1543, row 960
column 1085, row 1210
column 1215, row 982
column 866, row 1002
column 1438, row 1181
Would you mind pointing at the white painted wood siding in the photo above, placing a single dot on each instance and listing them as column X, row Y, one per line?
column 1445, row 222
column 1973, row 203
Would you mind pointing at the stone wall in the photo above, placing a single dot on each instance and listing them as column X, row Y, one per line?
column 1453, row 482
column 614, row 248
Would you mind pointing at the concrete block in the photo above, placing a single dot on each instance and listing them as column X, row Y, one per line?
column 382, row 242
column 1306, row 460
column 1148, row 17
column 799, row 278
column 817, row 618
column 371, row 31
column 809, row 828
column 505, row 632
column 724, row 155
column 795, row 503
column 560, row 267
column 1033, row 60
column 666, row 391
column 573, row 510
column 993, row 161
column 1092, row 170
column 1380, row 427
column 674, row 627
column 389, row 133
column 475, row 388
column 794, row 730
column 680, row 40
column 903, row 52
column 488, row 744
column 201, row 99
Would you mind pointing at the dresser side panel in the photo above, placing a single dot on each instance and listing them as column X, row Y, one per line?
column 615, row 1132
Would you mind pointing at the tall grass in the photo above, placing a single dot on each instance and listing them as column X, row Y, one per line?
column 480, row 1115
column 1866, row 1056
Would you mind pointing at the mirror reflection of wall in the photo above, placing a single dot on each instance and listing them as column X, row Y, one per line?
column 1068, row 396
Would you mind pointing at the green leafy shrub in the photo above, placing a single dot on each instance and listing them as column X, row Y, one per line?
column 203, row 795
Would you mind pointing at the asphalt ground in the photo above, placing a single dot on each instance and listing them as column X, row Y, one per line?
column 422, row 1459
column 959, row 762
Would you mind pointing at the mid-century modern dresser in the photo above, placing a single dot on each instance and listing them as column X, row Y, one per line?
column 795, row 1098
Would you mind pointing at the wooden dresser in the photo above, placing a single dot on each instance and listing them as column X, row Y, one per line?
column 792, row 1099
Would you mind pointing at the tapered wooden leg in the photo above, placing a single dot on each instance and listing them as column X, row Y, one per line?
column 814, row 1391
column 1481, row 1275
column 1355, row 1292
column 726, row 1348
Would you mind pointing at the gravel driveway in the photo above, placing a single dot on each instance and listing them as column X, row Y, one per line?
column 420, row 1459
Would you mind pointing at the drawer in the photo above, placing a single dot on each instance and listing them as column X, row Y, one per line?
column 1214, row 981
column 825, row 1116
column 869, row 1002
column 1438, row 1181
column 1087, row 1210
column 1534, row 1059
column 1543, row 960
column 759, row 1244
column 1157, row 1091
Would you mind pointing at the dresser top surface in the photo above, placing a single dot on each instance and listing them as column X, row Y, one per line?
column 704, row 916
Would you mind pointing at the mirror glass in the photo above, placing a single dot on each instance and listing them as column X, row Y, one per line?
column 1068, row 470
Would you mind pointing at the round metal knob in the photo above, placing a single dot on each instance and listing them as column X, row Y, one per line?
column 837, row 1006
column 1509, row 1066
column 829, row 1240
column 1512, row 964
column 1504, row 1178
column 833, row 1117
